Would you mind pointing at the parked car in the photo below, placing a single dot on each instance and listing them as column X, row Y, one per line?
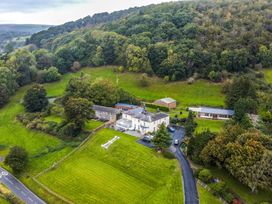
column 147, row 139
column 171, row 129
column 176, row 142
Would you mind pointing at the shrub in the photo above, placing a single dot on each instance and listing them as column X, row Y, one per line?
column 76, row 66
column 144, row 80
column 70, row 130
column 154, row 106
column 219, row 189
column 205, row 175
column 168, row 155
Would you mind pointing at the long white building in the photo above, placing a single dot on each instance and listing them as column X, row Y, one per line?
column 142, row 121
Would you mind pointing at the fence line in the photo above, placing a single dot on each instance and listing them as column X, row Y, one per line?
column 56, row 164
column 210, row 190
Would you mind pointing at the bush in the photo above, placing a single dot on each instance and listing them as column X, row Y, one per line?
column 219, row 189
column 168, row 155
column 154, row 106
column 205, row 175
column 76, row 66
column 144, row 80
column 70, row 130
column 48, row 75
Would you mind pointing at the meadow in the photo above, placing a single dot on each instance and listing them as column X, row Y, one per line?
column 184, row 93
column 127, row 172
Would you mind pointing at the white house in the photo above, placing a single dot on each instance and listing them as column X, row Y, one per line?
column 212, row 113
column 142, row 121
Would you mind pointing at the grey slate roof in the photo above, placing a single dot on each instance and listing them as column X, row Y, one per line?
column 217, row 111
column 105, row 109
column 142, row 114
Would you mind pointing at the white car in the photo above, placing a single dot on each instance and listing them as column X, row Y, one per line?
column 176, row 142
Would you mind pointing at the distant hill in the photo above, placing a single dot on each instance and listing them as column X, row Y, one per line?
column 89, row 21
column 17, row 34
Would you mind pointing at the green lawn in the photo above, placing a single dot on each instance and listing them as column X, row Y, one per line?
column 243, row 191
column 200, row 93
column 53, row 118
column 268, row 75
column 206, row 197
column 212, row 125
column 92, row 124
column 125, row 173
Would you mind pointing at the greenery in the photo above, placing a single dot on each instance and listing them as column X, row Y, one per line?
column 162, row 138
column 206, row 124
column 177, row 44
column 17, row 159
column 35, row 99
column 197, row 143
column 156, row 107
column 246, row 154
column 190, row 125
column 128, row 170
column 206, row 197
column 78, row 111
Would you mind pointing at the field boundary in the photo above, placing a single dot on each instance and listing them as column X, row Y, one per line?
column 56, row 164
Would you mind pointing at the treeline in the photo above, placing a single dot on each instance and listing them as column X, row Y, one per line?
column 24, row 66
column 174, row 40
column 44, row 37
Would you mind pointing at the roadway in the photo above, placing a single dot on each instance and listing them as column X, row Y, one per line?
column 18, row 188
column 189, row 183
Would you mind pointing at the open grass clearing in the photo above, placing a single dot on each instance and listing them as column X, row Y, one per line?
column 212, row 125
column 125, row 173
column 92, row 124
column 200, row 93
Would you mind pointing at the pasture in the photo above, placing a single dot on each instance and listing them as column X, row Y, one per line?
column 127, row 172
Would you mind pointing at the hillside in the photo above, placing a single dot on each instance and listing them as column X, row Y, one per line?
column 87, row 22
column 14, row 33
column 172, row 40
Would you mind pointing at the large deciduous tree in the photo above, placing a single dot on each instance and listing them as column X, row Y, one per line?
column 17, row 159
column 35, row 99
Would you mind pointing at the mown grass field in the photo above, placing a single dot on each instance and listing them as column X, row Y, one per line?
column 125, row 173
column 206, row 197
column 212, row 125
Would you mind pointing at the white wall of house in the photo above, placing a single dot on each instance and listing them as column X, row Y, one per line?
column 145, row 127
column 105, row 116
column 213, row 116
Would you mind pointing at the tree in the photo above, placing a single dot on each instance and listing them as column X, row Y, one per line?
column 44, row 58
column 4, row 95
column 137, row 59
column 162, row 138
column 35, row 99
column 21, row 61
column 17, row 159
column 49, row 75
column 197, row 143
column 64, row 59
column 98, row 58
column 241, row 87
column 144, row 80
column 190, row 125
column 104, row 92
column 78, row 110
column 76, row 66
column 78, row 87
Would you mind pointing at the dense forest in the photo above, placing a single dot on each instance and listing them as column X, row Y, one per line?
column 172, row 40
column 175, row 41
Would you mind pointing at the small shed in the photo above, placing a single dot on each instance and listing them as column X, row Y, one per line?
column 105, row 113
column 166, row 102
